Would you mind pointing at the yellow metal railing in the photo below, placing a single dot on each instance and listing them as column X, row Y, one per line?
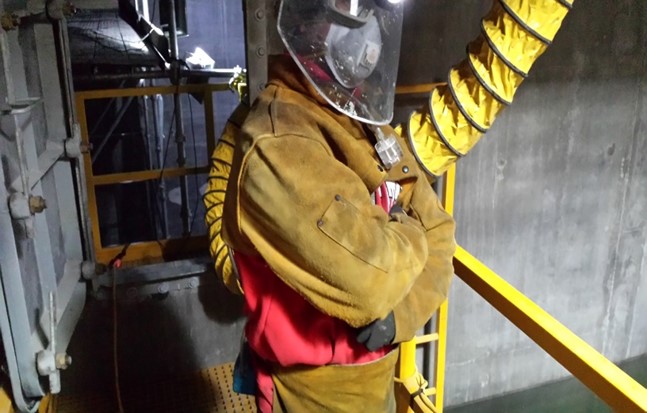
column 147, row 250
column 407, row 370
column 605, row 379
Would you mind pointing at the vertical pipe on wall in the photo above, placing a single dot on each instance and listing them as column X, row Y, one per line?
column 180, row 139
column 65, row 69
column 158, row 115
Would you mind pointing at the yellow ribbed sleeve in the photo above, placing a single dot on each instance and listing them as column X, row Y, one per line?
column 214, row 199
column 513, row 35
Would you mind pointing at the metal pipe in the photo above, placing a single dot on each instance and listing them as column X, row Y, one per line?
column 160, row 74
column 6, row 58
column 64, row 67
column 158, row 114
column 114, row 125
column 173, row 30
column 21, row 403
column 180, row 139
column 147, row 123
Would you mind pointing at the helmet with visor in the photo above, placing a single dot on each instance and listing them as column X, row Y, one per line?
column 349, row 50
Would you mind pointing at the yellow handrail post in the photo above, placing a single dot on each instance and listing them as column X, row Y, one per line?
column 145, row 250
column 407, row 365
column 449, row 191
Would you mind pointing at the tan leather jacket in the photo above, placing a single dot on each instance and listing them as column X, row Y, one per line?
column 299, row 195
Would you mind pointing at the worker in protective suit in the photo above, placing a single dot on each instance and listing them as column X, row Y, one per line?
column 341, row 245
column 332, row 230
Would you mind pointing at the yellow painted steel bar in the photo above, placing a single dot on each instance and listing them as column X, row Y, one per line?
column 89, row 176
column 415, row 89
column 449, row 191
column 153, row 90
column 441, row 350
column 152, row 250
column 209, row 121
column 407, row 364
column 139, row 176
column 605, row 379
column 427, row 338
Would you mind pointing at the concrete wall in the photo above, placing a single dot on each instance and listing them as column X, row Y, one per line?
column 554, row 198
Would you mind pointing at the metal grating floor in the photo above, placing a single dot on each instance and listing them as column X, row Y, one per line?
column 209, row 391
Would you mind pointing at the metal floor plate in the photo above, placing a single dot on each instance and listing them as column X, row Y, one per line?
column 209, row 391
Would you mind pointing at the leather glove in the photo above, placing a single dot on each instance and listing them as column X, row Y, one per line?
column 397, row 213
column 377, row 334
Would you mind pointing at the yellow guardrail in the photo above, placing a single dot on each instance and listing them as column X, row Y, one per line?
column 605, row 379
column 407, row 370
column 152, row 249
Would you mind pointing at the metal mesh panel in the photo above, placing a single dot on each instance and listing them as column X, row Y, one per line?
column 209, row 391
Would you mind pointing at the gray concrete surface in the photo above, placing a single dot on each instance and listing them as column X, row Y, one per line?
column 158, row 337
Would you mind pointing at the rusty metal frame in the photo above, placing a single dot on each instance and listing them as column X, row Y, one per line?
column 149, row 250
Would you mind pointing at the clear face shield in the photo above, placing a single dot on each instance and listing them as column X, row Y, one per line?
column 349, row 50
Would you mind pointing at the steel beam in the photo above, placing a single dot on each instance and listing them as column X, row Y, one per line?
column 152, row 273
column 15, row 310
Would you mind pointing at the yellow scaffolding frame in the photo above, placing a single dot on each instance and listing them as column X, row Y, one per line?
column 148, row 250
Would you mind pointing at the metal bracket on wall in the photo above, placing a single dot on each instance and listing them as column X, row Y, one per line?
column 73, row 146
column 22, row 204
column 256, row 41
column 146, row 280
